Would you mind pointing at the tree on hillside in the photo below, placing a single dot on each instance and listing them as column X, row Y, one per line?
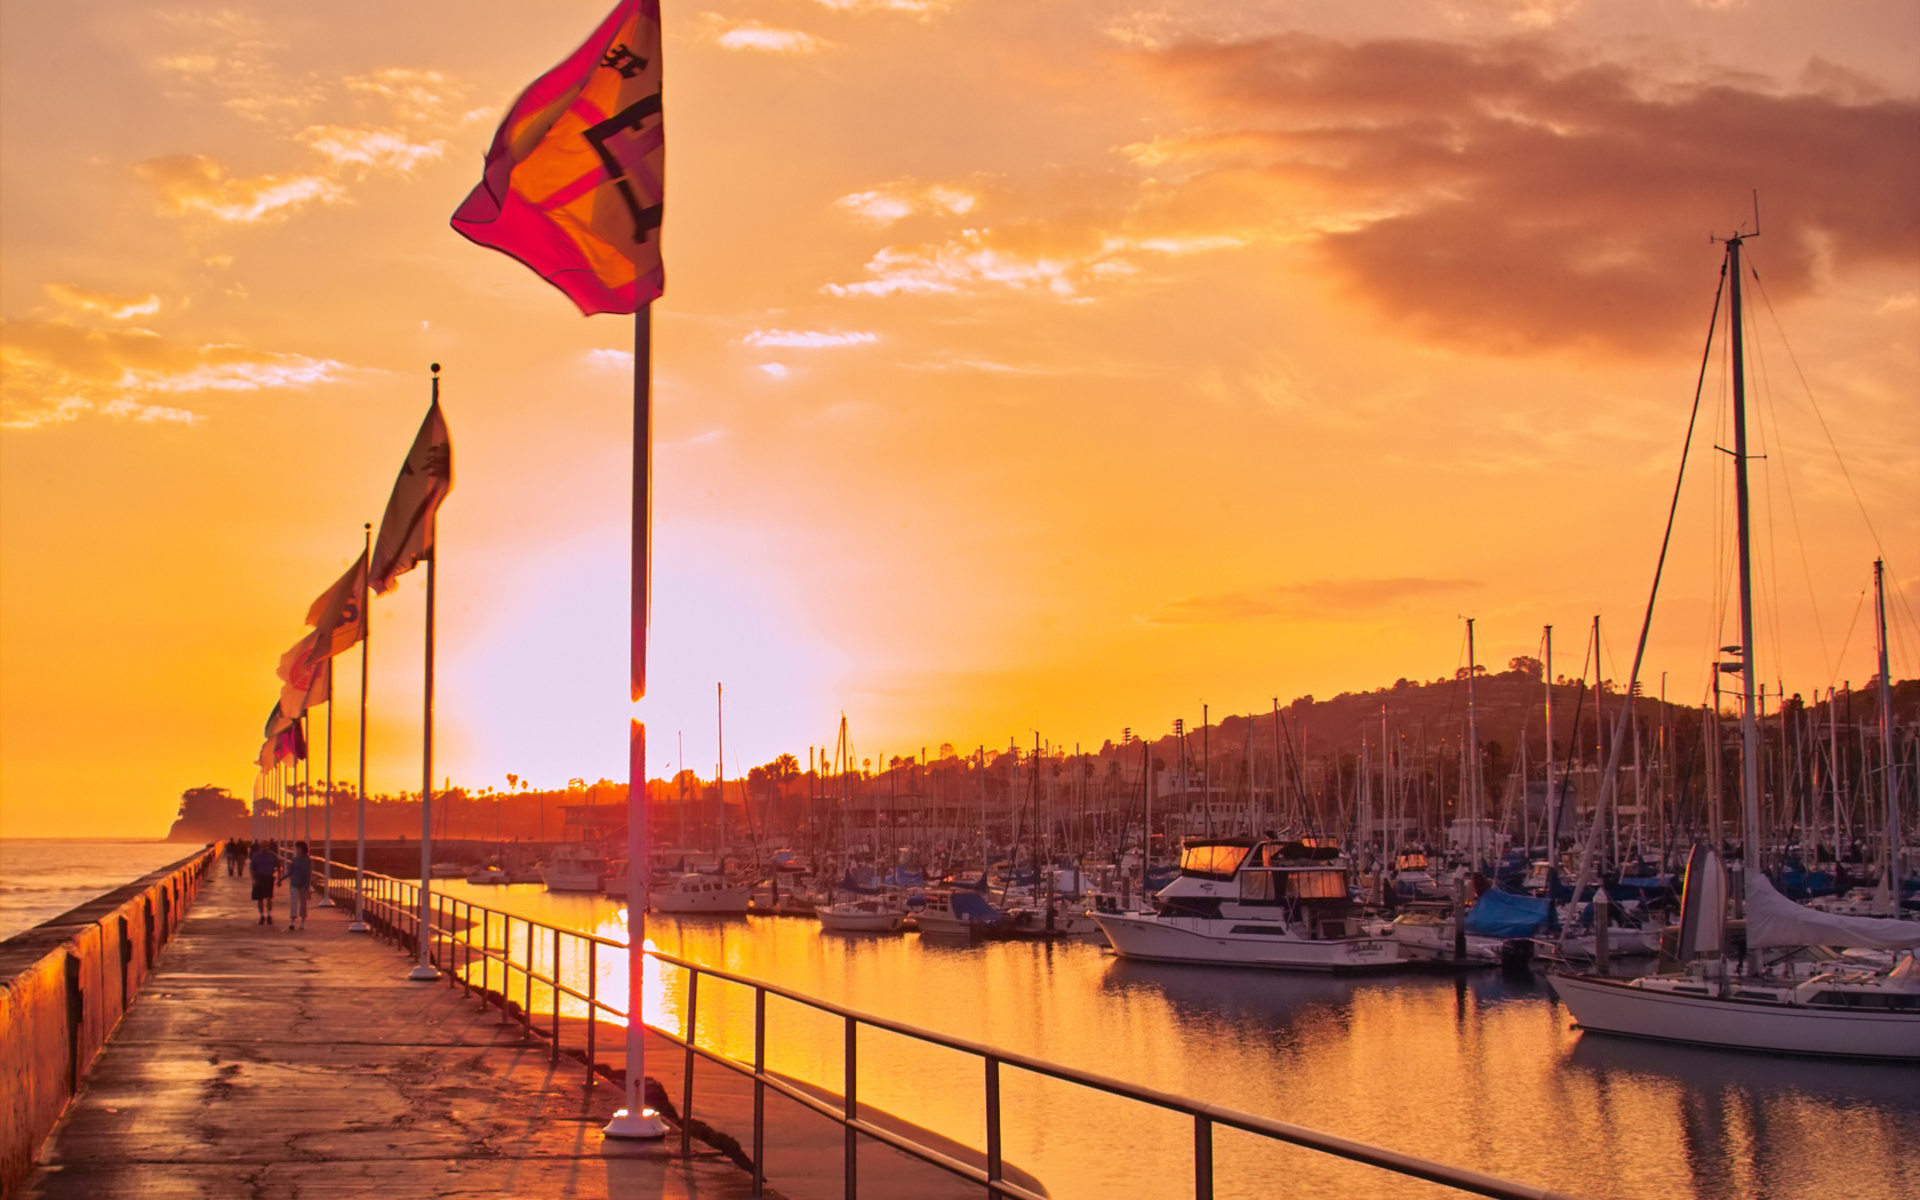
column 211, row 806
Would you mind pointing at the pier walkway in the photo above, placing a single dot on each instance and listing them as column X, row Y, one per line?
column 262, row 1063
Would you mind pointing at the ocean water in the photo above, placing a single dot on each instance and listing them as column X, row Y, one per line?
column 40, row 878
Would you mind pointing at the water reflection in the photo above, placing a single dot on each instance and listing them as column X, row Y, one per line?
column 1481, row 1070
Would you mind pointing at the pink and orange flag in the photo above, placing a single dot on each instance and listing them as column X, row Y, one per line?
column 574, row 179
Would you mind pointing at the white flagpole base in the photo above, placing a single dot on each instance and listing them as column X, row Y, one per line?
column 422, row 974
column 359, row 927
column 626, row 1124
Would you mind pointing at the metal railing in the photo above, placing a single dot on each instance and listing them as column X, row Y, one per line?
column 391, row 908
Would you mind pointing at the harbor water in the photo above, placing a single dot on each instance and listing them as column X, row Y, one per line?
column 1481, row 1071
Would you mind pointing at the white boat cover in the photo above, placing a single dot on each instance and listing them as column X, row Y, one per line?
column 1774, row 920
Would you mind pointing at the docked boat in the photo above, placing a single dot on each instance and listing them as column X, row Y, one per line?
column 489, row 876
column 1497, row 930
column 1754, row 1001
column 959, row 912
column 1848, row 1009
column 447, row 870
column 710, row 895
column 575, row 868
column 1247, row 902
column 866, row 915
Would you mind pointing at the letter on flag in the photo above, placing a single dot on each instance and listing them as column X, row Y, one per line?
column 406, row 532
column 573, row 182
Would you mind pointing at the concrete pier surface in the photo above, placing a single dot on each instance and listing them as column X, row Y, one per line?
column 262, row 1063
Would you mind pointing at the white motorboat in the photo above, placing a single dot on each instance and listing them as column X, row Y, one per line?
column 489, row 876
column 575, row 868
column 867, row 915
column 700, row 894
column 447, row 870
column 1247, row 902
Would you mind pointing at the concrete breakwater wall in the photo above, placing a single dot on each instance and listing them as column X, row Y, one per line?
column 64, row 985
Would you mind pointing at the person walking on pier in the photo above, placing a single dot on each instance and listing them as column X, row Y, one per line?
column 265, row 866
column 299, row 880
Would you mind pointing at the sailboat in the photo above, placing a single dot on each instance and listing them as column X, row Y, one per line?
column 1773, row 1002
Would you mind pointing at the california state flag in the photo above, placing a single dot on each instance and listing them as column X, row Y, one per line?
column 574, row 181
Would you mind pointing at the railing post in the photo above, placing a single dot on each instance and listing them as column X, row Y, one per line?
column 995, row 1170
column 555, row 1056
column 686, row 1080
column 850, row 1089
column 593, row 1003
column 759, row 1090
column 526, row 1001
column 1202, row 1158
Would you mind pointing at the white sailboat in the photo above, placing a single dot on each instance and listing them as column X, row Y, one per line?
column 1756, row 1003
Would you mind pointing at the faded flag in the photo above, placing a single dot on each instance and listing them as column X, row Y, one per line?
column 335, row 616
column 297, row 697
column 406, row 532
column 573, row 183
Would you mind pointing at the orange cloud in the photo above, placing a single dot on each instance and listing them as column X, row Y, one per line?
column 371, row 148
column 731, row 34
column 52, row 372
column 105, row 304
column 195, row 183
column 1510, row 198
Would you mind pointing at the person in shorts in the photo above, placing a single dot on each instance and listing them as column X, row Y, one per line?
column 264, row 865
column 299, row 881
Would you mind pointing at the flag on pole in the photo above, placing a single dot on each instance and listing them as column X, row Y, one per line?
column 406, row 532
column 335, row 615
column 284, row 741
column 296, row 699
column 573, row 183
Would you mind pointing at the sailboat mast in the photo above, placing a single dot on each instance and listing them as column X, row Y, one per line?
column 1471, row 776
column 1886, row 735
column 1749, row 724
column 1553, row 808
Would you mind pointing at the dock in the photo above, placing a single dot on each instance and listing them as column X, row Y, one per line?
column 257, row 1062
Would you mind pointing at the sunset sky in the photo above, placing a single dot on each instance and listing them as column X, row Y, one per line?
column 1023, row 365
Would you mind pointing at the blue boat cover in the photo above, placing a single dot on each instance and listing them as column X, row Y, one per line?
column 1505, row 915
column 972, row 906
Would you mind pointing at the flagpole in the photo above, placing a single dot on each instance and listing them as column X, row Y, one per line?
column 326, row 818
column 424, row 972
column 306, row 774
column 636, row 1120
column 359, row 924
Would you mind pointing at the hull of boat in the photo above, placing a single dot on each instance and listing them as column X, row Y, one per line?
column 1230, row 942
column 942, row 925
column 1434, row 943
column 861, row 922
column 719, row 902
column 1612, row 1006
column 572, row 881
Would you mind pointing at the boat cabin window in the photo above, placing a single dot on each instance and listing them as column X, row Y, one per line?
column 1257, row 886
column 1217, row 862
column 1317, row 885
